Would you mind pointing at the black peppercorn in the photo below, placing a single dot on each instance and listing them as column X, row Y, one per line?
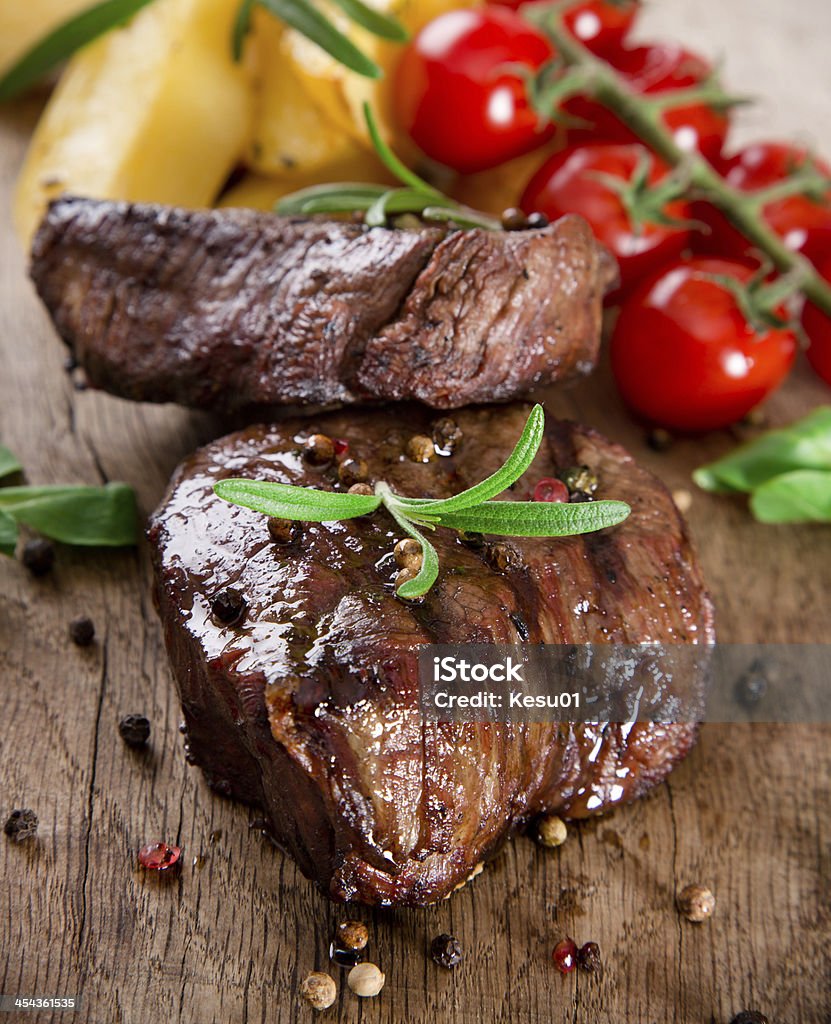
column 344, row 957
column 319, row 450
column 749, row 1017
column 502, row 557
column 659, row 440
column 579, row 478
column 228, row 607
column 22, row 824
column 134, row 730
column 578, row 497
column 352, row 471
column 513, row 219
column 283, row 531
column 537, row 220
column 447, row 435
column 38, row 556
column 588, row 957
column 82, row 631
column 446, row 950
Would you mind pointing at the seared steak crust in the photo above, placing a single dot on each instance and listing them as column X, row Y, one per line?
column 232, row 309
column 309, row 707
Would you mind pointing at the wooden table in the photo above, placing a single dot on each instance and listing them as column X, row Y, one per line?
column 230, row 940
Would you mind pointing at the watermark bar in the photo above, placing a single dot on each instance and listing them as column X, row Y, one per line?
column 39, row 1004
column 625, row 682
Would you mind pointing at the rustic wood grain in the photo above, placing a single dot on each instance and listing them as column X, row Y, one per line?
column 231, row 938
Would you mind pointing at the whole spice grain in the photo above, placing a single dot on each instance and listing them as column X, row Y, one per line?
column 352, row 935
column 579, row 478
column 360, row 489
column 551, row 831
column 447, row 436
column 344, row 957
column 420, row 448
column 446, row 950
column 537, row 220
column 82, row 631
column 319, row 450
column 160, row 857
column 565, row 956
column 283, row 531
column 38, row 556
column 408, row 554
column 21, row 824
column 366, row 980
column 319, row 990
column 135, row 731
column 352, row 471
column 696, row 903
column 588, row 957
column 502, row 557
column 228, row 607
column 659, row 440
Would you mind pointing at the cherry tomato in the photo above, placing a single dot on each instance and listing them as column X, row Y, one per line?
column 804, row 224
column 600, row 25
column 567, row 183
column 684, row 355
column 454, row 96
column 817, row 326
column 650, row 71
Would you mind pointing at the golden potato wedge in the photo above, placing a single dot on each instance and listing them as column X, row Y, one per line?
column 22, row 24
column 155, row 111
column 495, row 190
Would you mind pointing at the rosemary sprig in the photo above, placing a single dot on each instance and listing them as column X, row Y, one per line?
column 310, row 22
column 471, row 511
column 377, row 202
column 61, row 43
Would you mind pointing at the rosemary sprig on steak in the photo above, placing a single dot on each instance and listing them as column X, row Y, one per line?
column 471, row 511
column 379, row 202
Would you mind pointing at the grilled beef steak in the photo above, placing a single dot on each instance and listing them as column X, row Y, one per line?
column 306, row 705
column 237, row 309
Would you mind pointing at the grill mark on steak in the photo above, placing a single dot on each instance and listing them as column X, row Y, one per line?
column 309, row 708
column 237, row 309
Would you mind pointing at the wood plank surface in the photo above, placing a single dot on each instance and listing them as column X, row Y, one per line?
column 230, row 939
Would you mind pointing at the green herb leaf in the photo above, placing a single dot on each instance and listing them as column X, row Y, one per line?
column 85, row 516
column 304, row 503
column 391, row 161
column 8, row 462
column 429, row 571
column 537, row 518
column 803, row 496
column 515, row 465
column 803, row 445
column 339, row 198
column 8, row 534
column 64, row 41
column 309, row 22
column 379, row 24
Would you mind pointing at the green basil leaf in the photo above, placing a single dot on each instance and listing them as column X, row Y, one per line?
column 803, row 496
column 803, row 445
column 309, row 22
column 8, row 534
column 376, row 22
column 8, row 462
column 339, row 198
column 302, row 503
column 64, row 41
column 517, row 462
column 536, row 518
column 429, row 571
column 86, row 516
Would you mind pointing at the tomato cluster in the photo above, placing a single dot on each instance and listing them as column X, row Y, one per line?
column 687, row 352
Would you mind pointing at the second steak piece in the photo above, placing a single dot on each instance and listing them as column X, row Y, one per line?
column 231, row 309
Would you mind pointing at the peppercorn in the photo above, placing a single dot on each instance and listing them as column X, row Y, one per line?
column 588, row 957
column 408, row 554
column 551, row 831
column 21, row 824
column 579, row 478
column 659, row 440
column 344, row 957
column 565, row 956
column 550, row 489
column 501, row 557
column 366, row 980
column 447, row 436
column 405, row 576
column 352, row 935
column 420, row 448
column 578, row 497
column 513, row 219
column 319, row 990
column 82, row 631
column 228, row 607
column 537, row 220
column 134, row 730
column 283, row 531
column 696, row 903
column 160, row 857
column 360, row 489
column 749, row 1017
column 319, row 450
column 446, row 950
column 352, row 471
column 38, row 556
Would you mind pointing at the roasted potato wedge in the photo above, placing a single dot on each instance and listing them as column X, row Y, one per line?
column 155, row 111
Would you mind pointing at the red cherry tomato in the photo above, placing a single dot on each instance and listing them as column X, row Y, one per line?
column 684, row 355
column 600, row 25
column 454, row 96
column 566, row 183
column 652, row 70
column 804, row 224
column 817, row 326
